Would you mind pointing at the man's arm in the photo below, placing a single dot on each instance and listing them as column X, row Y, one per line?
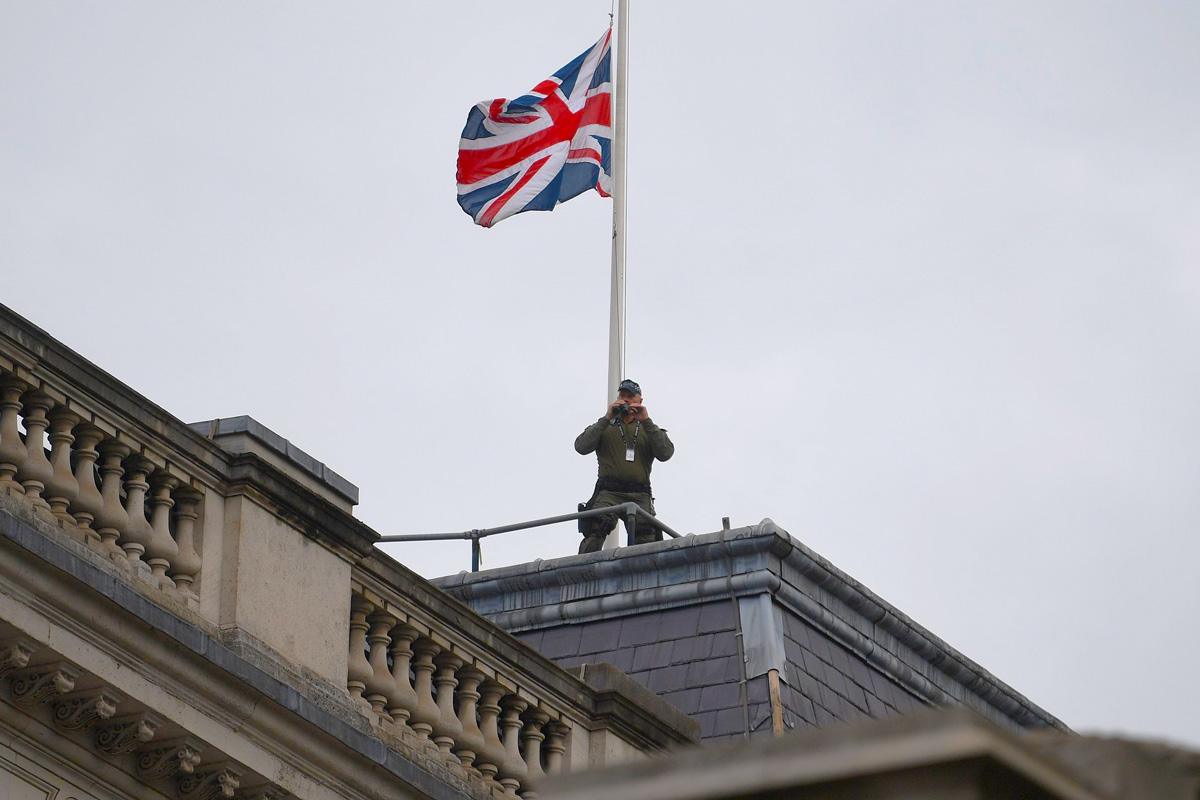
column 589, row 440
column 660, row 444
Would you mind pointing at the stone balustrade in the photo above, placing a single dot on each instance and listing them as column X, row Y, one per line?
column 407, row 671
column 110, row 489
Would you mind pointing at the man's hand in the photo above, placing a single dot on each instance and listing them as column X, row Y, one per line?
column 612, row 408
column 639, row 412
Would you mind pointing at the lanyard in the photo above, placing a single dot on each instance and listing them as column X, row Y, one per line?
column 636, row 430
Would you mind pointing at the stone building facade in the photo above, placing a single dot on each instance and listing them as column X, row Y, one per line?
column 193, row 612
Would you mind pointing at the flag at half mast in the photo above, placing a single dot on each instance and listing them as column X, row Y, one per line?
column 535, row 151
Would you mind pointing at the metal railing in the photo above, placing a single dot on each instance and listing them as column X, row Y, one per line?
column 630, row 511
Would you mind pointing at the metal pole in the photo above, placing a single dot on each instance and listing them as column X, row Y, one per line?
column 616, row 319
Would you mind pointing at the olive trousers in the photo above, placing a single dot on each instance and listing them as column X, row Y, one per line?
column 596, row 529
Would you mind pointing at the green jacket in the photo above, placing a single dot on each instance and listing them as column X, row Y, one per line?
column 604, row 439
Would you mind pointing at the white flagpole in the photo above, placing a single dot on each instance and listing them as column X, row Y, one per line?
column 616, row 320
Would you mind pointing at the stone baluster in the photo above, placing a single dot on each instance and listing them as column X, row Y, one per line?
column 556, row 747
column 427, row 714
column 491, row 754
column 402, row 702
column 470, row 741
column 532, row 737
column 87, row 502
column 359, row 668
column 380, row 685
column 62, row 488
column 112, row 519
column 447, row 729
column 12, row 449
column 512, row 770
column 161, row 549
column 187, row 564
column 35, row 470
column 139, row 533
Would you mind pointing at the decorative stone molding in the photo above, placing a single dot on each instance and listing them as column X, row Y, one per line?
column 187, row 564
column 211, row 782
column 35, row 471
column 63, row 487
column 78, row 710
column 12, row 448
column 14, row 655
column 161, row 760
column 88, row 502
column 39, row 684
column 123, row 735
column 555, row 747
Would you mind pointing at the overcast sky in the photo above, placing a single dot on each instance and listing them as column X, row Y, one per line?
column 920, row 281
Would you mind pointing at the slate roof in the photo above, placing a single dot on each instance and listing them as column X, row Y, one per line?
column 671, row 613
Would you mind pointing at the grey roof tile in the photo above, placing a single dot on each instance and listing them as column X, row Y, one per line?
column 730, row 720
column 687, row 700
column 642, row 629
column 803, row 708
column 678, row 623
column 856, row 696
column 569, row 662
column 758, row 690
column 835, row 680
column 716, row 617
column 860, row 673
column 708, row 722
column 649, row 656
column 876, row 707
column 693, row 648
column 601, row 636
column 829, row 698
column 819, row 644
column 724, row 695
column 532, row 638
column 621, row 659
column 667, row 679
column 813, row 665
column 824, row 715
column 561, row 641
column 712, row 671
column 724, row 644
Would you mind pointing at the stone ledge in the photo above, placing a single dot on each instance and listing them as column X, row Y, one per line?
column 226, row 428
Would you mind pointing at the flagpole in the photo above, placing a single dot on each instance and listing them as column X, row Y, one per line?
column 616, row 320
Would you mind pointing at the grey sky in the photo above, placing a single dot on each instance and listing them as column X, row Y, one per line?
column 919, row 281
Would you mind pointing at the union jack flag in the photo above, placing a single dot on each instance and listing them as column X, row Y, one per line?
column 535, row 151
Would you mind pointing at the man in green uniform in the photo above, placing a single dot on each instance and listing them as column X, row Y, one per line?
column 626, row 443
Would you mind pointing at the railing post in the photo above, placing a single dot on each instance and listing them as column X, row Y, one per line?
column 476, row 552
column 630, row 524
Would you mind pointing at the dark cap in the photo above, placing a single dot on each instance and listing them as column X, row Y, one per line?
column 629, row 386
